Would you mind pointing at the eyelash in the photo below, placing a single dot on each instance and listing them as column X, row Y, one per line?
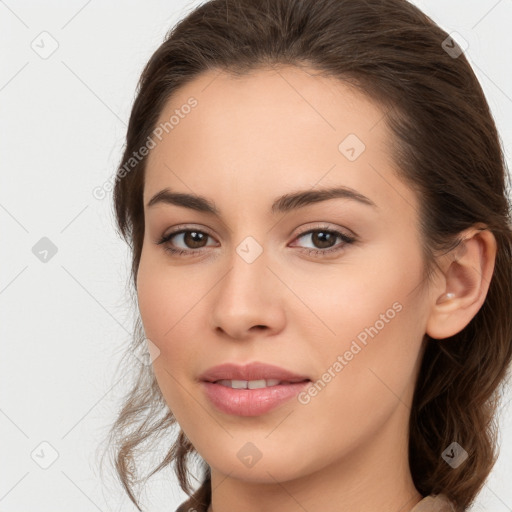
column 321, row 252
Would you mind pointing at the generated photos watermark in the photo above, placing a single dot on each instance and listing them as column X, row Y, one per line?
column 100, row 192
column 305, row 397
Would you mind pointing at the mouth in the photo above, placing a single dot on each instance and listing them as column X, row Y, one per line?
column 251, row 398
column 253, row 373
column 252, row 389
column 256, row 384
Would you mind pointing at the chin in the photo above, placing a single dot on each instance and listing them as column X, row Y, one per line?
column 252, row 465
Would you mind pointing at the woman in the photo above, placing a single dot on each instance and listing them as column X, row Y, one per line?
column 314, row 193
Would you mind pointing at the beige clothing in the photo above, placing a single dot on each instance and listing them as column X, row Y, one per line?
column 432, row 503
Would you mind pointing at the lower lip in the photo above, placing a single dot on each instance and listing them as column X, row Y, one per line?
column 251, row 402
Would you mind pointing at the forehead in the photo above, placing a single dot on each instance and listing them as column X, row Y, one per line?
column 280, row 129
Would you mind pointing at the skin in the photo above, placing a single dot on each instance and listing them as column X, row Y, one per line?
column 248, row 141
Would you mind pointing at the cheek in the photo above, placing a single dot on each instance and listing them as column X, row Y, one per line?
column 366, row 372
column 377, row 287
column 159, row 304
column 166, row 304
column 169, row 299
column 372, row 326
column 164, row 295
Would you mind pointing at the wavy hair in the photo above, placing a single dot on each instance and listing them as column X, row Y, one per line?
column 446, row 148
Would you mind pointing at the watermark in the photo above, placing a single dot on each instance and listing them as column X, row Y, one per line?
column 454, row 455
column 249, row 454
column 351, row 147
column 100, row 192
column 455, row 45
column 45, row 45
column 146, row 352
column 304, row 397
column 44, row 455
column 44, row 250
column 249, row 249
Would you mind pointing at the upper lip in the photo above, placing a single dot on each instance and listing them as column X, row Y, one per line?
column 251, row 371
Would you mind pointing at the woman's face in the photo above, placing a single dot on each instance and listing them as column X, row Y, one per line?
column 349, row 315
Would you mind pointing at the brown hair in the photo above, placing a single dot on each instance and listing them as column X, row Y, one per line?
column 446, row 147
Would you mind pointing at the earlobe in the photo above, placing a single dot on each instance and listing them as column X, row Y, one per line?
column 463, row 289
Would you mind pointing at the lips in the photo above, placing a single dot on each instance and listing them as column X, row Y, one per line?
column 251, row 372
column 250, row 390
column 250, row 402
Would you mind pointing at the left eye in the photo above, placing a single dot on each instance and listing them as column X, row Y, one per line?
column 194, row 241
column 326, row 239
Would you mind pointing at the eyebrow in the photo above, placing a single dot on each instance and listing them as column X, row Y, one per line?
column 282, row 204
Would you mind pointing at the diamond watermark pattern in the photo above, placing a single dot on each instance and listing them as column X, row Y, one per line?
column 44, row 250
column 249, row 454
column 44, row 455
column 455, row 45
column 249, row 249
column 146, row 352
column 351, row 147
column 454, row 455
column 45, row 45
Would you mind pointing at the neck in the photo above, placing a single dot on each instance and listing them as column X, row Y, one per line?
column 375, row 475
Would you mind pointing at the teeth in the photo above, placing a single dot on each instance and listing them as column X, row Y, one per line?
column 255, row 384
column 249, row 384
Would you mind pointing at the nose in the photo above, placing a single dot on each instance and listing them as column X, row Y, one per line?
column 248, row 299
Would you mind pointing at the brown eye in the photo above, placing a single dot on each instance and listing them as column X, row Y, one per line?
column 185, row 241
column 194, row 239
column 324, row 240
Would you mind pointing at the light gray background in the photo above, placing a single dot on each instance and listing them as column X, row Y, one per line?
column 64, row 322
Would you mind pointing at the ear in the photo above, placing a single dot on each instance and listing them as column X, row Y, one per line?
column 466, row 273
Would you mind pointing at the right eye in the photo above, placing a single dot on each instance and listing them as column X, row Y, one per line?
column 193, row 237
